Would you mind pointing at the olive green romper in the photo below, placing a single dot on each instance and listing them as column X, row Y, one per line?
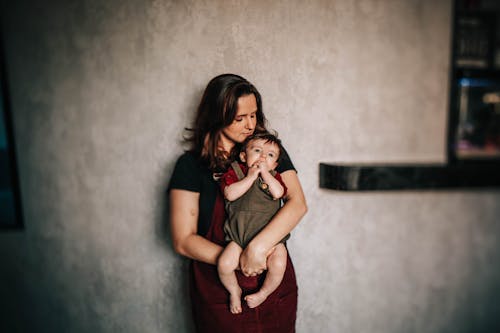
column 249, row 214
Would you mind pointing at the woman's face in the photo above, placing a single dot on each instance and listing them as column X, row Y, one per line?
column 243, row 123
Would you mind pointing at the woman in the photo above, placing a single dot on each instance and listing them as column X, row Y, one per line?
column 230, row 110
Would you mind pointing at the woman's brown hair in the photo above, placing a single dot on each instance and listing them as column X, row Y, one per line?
column 217, row 109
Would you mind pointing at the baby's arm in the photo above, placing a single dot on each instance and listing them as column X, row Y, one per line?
column 275, row 188
column 237, row 189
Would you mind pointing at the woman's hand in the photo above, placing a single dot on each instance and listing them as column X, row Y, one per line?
column 253, row 261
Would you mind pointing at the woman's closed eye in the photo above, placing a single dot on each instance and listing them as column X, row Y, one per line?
column 240, row 118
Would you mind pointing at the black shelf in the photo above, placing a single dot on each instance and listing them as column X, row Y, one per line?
column 360, row 177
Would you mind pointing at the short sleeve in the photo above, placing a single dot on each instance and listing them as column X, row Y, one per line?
column 228, row 178
column 192, row 175
column 285, row 163
column 186, row 174
column 278, row 178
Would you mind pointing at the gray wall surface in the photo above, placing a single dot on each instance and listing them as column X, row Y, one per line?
column 101, row 91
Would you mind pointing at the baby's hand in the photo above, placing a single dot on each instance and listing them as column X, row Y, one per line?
column 263, row 168
column 253, row 171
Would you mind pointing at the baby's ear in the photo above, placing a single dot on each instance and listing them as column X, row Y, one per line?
column 243, row 156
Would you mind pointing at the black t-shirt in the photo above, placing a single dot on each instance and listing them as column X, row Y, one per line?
column 193, row 175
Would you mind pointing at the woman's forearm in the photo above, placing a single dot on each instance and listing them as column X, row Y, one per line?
column 288, row 216
column 199, row 248
column 253, row 258
column 281, row 225
column 184, row 212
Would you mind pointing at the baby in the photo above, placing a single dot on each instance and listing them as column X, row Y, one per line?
column 252, row 192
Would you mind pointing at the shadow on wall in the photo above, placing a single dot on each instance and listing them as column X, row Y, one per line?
column 175, row 302
column 176, row 289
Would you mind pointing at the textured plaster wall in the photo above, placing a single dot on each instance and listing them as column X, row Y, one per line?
column 100, row 93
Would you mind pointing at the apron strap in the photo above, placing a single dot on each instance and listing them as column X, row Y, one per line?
column 237, row 169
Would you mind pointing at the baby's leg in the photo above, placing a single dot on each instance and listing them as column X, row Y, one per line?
column 276, row 266
column 226, row 265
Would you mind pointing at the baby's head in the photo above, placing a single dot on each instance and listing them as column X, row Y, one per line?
column 261, row 147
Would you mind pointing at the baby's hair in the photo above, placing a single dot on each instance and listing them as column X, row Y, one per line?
column 267, row 137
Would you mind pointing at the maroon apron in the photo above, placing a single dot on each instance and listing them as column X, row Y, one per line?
column 210, row 300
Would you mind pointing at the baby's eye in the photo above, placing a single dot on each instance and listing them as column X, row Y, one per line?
column 257, row 150
column 271, row 155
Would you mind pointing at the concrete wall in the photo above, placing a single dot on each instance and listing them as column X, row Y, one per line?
column 101, row 91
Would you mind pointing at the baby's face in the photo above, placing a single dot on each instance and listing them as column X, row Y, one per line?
column 259, row 151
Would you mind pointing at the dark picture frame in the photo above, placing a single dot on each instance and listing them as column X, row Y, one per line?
column 10, row 195
column 474, row 109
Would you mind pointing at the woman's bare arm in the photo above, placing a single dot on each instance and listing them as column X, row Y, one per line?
column 253, row 258
column 184, row 212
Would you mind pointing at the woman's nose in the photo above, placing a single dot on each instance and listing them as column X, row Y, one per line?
column 250, row 124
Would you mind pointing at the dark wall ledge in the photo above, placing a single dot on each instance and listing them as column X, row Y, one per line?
column 407, row 177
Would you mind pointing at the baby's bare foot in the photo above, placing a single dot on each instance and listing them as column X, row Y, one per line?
column 254, row 300
column 235, row 303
